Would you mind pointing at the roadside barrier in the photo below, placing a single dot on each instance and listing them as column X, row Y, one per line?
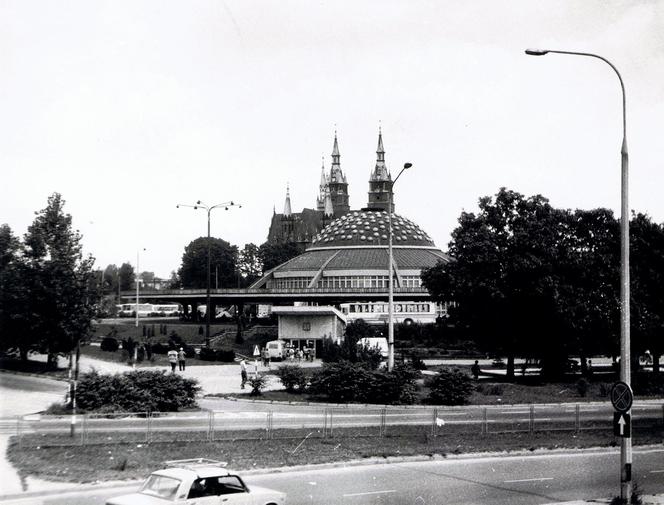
column 317, row 422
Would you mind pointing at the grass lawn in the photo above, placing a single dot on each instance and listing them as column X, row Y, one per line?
column 136, row 460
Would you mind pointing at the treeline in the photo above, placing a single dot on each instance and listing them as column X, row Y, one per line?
column 534, row 281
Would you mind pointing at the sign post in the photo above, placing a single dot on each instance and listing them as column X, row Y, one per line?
column 622, row 399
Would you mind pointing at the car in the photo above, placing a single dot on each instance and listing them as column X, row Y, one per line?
column 199, row 481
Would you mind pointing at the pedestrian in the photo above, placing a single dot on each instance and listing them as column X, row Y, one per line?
column 173, row 359
column 475, row 369
column 266, row 357
column 181, row 359
column 306, row 354
column 243, row 373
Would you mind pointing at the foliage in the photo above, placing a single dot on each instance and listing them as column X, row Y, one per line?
column 355, row 382
column 450, row 387
column 49, row 289
column 127, row 277
column 348, row 350
column 521, row 268
column 646, row 383
column 582, row 387
column 210, row 354
column 136, row 391
column 257, row 383
column 249, row 264
column 293, row 377
column 272, row 255
column 110, row 344
column 223, row 261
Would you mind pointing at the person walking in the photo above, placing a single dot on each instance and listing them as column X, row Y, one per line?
column 266, row 357
column 475, row 369
column 243, row 373
column 173, row 359
column 182, row 359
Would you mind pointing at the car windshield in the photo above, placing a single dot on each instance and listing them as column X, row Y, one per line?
column 161, row 486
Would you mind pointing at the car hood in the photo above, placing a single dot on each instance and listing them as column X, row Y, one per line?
column 264, row 491
column 137, row 499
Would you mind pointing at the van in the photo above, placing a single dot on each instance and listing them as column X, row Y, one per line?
column 373, row 342
column 275, row 349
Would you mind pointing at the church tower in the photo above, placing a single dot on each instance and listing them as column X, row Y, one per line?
column 380, row 182
column 337, row 185
column 322, row 189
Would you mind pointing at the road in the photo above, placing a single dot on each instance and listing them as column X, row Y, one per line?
column 24, row 394
column 503, row 480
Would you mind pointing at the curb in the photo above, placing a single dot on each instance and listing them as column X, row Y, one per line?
column 39, row 376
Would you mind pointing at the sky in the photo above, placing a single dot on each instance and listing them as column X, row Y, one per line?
column 128, row 108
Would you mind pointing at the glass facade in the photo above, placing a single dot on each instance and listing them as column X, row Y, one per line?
column 345, row 281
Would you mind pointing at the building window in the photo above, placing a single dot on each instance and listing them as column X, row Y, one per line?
column 306, row 326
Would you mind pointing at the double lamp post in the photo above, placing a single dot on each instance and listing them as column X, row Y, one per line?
column 208, row 208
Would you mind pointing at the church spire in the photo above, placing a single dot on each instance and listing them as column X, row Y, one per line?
column 335, row 152
column 287, row 204
column 380, row 182
column 337, row 184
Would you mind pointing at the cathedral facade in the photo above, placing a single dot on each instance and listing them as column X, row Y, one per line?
column 332, row 201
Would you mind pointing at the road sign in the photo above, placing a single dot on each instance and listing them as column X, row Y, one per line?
column 622, row 425
column 621, row 396
column 257, row 351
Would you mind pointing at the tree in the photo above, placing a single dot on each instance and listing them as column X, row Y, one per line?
column 174, row 281
column 223, row 256
column 147, row 278
column 502, row 276
column 272, row 255
column 647, row 279
column 249, row 263
column 127, row 277
column 60, row 282
column 111, row 278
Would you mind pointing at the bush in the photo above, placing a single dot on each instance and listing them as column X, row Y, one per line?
column 450, row 387
column 207, row 354
column 293, row 378
column 648, row 383
column 257, row 384
column 225, row 356
column 491, row 389
column 136, row 391
column 582, row 387
column 110, row 344
column 160, row 348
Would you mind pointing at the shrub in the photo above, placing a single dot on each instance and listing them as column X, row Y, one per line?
column 293, row 378
column 160, row 348
column 207, row 354
column 450, row 387
column 491, row 389
column 648, row 383
column 257, row 384
column 136, row 391
column 110, row 344
column 417, row 363
column 582, row 387
column 225, row 355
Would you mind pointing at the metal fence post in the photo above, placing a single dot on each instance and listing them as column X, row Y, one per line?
column 211, row 426
column 434, row 423
column 148, row 419
column 383, row 414
column 325, row 423
column 331, row 415
column 18, row 428
column 485, row 421
column 84, row 429
column 268, row 425
column 531, row 424
column 577, row 418
column 662, row 414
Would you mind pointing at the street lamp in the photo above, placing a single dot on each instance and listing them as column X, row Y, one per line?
column 390, row 281
column 625, row 365
column 200, row 205
column 138, row 275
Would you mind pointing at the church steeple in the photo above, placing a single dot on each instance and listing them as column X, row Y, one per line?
column 322, row 188
column 336, row 183
column 380, row 182
column 287, row 204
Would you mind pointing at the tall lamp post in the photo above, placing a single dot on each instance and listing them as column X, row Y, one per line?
column 200, row 205
column 138, row 275
column 390, row 272
column 625, row 365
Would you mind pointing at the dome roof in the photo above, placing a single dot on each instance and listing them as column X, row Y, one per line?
column 370, row 228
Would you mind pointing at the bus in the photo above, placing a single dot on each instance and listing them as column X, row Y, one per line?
column 149, row 309
column 404, row 312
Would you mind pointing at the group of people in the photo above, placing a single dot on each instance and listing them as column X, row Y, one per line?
column 177, row 358
column 306, row 354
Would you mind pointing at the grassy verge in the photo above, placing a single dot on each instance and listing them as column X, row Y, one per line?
column 136, row 460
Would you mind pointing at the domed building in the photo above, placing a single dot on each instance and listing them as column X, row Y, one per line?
column 348, row 262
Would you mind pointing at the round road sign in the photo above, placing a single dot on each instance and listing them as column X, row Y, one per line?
column 621, row 396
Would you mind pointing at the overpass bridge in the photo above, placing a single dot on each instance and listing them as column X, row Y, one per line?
column 271, row 296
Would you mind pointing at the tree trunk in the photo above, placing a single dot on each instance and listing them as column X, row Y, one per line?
column 584, row 364
column 510, row 366
column 655, row 362
column 23, row 353
column 51, row 361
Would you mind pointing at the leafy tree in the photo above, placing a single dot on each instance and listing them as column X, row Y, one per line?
column 174, row 281
column 223, row 255
column 272, row 255
column 127, row 277
column 249, row 263
column 110, row 280
column 62, row 303
column 147, row 278
column 647, row 279
column 502, row 275
column 293, row 378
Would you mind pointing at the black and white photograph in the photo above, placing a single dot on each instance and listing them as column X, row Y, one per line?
column 349, row 252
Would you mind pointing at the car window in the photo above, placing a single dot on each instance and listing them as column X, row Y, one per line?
column 162, row 486
column 215, row 486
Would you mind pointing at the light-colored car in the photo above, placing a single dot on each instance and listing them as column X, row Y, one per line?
column 198, row 482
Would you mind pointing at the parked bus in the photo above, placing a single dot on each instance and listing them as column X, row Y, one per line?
column 404, row 312
column 148, row 309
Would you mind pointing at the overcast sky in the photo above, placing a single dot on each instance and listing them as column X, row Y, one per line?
column 130, row 107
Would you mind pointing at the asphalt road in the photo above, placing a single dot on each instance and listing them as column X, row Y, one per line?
column 515, row 480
